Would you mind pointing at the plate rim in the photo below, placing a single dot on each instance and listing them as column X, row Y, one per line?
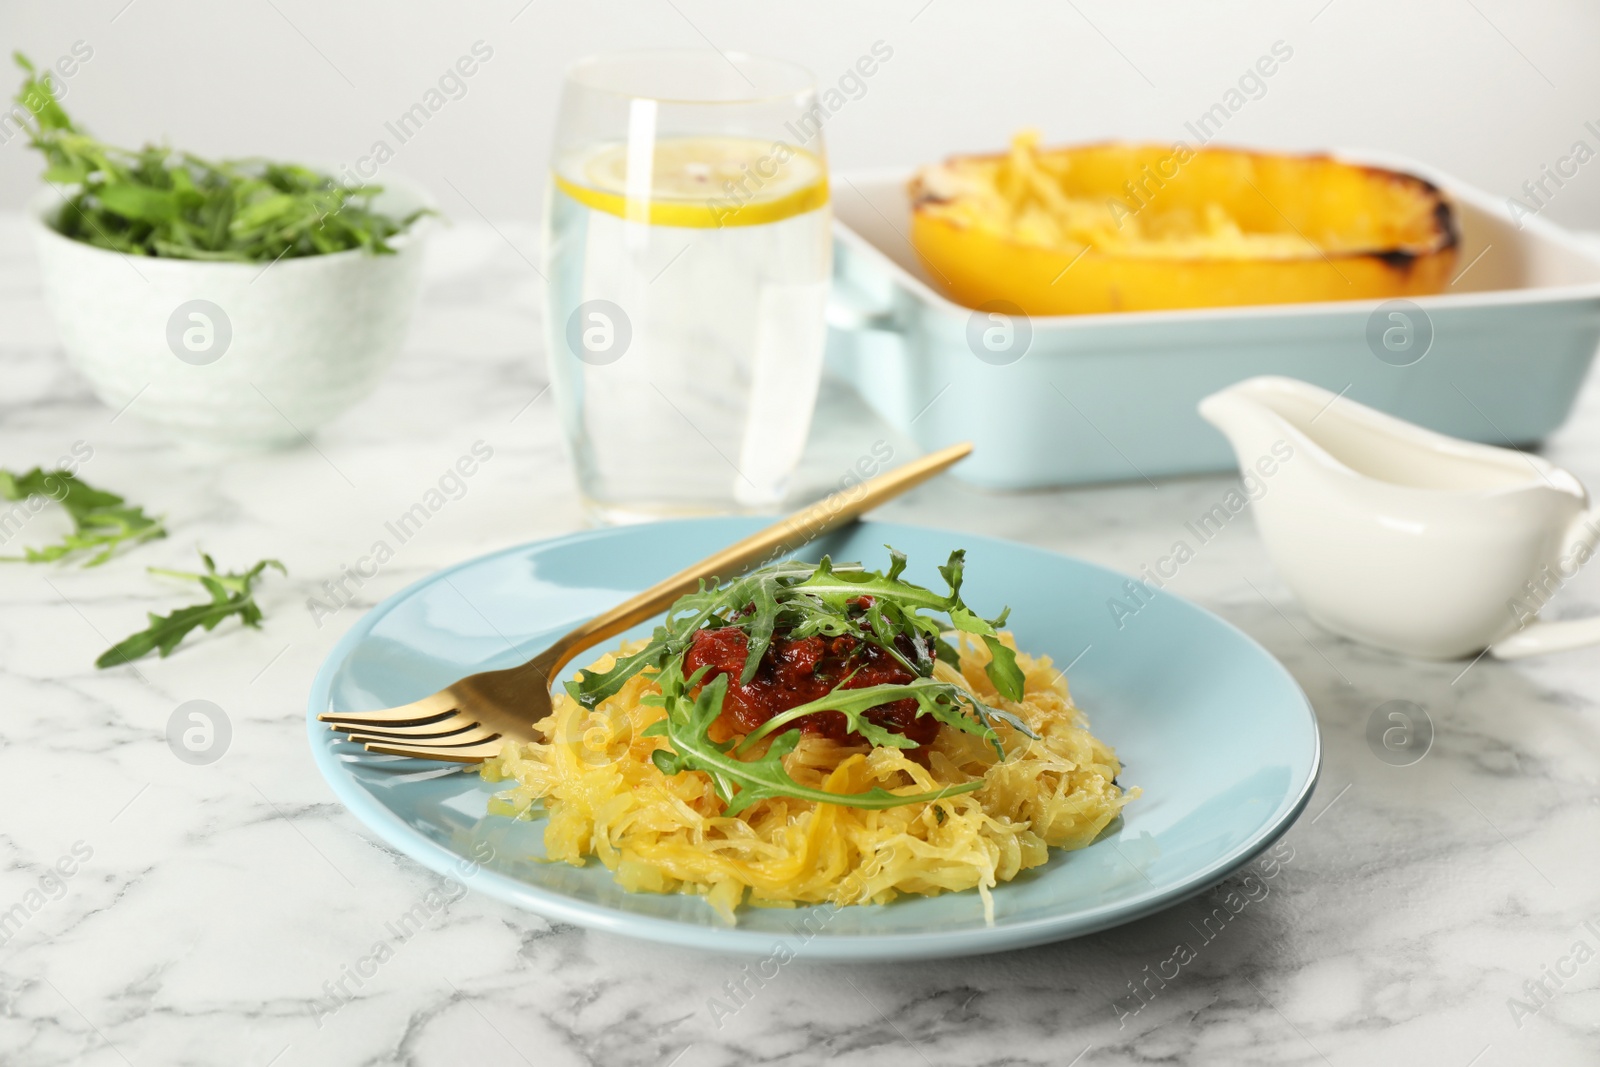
column 732, row 940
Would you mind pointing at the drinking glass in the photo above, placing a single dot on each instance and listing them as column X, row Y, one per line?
column 687, row 253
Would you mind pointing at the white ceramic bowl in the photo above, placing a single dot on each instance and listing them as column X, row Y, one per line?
column 240, row 354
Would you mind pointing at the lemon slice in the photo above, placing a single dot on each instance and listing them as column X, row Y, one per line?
column 700, row 182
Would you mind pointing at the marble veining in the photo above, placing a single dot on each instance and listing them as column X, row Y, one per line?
column 158, row 912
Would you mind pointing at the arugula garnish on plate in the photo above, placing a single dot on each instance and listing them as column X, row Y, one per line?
column 231, row 594
column 101, row 520
column 741, row 782
column 793, row 601
column 156, row 202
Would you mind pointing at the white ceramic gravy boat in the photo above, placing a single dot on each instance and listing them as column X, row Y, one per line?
column 1406, row 538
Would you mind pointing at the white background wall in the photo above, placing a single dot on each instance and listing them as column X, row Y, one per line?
column 1487, row 89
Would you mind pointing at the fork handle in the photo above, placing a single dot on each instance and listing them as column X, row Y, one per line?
column 762, row 547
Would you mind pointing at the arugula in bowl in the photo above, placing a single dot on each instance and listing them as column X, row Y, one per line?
column 154, row 201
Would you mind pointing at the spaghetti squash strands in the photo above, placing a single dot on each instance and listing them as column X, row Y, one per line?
column 602, row 795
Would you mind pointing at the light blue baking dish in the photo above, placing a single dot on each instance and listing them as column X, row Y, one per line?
column 1098, row 398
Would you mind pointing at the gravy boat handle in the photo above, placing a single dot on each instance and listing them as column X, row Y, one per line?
column 1538, row 637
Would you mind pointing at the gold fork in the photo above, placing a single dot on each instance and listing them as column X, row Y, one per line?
column 467, row 721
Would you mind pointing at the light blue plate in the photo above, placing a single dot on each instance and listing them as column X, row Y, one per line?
column 1217, row 734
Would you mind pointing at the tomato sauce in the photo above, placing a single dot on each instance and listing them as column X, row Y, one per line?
column 797, row 671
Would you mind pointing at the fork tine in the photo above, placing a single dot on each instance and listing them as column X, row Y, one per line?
column 471, row 735
column 423, row 710
column 421, row 731
column 453, row 754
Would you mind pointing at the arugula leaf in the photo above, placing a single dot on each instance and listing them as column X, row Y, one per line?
column 101, row 520
column 231, row 594
column 1002, row 667
column 802, row 600
column 805, row 600
column 688, row 614
column 157, row 202
column 741, row 783
column 940, row 699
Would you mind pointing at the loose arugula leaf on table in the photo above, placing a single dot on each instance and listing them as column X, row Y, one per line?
column 740, row 783
column 156, row 202
column 231, row 594
column 101, row 520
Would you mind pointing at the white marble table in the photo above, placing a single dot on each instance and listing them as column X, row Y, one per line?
column 214, row 913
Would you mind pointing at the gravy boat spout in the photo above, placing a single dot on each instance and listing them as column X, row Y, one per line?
column 1402, row 537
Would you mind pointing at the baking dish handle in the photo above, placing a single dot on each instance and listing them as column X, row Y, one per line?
column 852, row 308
